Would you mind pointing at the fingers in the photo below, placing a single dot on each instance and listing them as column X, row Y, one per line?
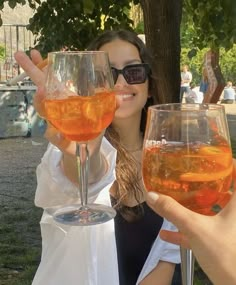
column 175, row 237
column 167, row 207
column 229, row 213
column 56, row 138
column 35, row 56
column 229, row 209
column 38, row 101
column 234, row 170
column 36, row 75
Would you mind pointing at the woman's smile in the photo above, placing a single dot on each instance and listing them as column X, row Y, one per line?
column 125, row 97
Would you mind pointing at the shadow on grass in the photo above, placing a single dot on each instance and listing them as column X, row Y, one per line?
column 20, row 248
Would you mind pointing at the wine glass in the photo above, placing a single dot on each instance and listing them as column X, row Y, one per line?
column 80, row 103
column 187, row 155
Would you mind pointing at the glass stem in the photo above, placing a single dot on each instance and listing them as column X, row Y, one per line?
column 187, row 266
column 82, row 157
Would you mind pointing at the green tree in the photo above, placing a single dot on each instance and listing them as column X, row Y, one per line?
column 213, row 26
column 73, row 23
column 228, row 63
column 2, row 52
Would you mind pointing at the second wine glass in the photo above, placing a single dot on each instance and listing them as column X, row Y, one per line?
column 187, row 156
column 80, row 103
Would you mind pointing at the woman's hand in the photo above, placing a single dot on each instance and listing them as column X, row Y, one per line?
column 36, row 74
column 30, row 66
column 212, row 239
column 52, row 134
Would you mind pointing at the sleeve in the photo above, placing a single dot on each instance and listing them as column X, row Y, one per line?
column 54, row 188
column 161, row 250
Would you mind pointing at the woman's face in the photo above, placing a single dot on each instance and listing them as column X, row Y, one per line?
column 131, row 98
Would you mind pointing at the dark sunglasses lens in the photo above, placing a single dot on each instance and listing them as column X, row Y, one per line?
column 114, row 74
column 135, row 74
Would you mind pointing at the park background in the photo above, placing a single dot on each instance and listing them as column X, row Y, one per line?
column 20, row 238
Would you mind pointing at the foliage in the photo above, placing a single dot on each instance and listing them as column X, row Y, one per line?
column 192, row 55
column 2, row 52
column 213, row 21
column 72, row 24
column 227, row 63
column 194, row 63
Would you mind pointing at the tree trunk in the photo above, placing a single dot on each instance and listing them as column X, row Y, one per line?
column 162, row 19
column 215, row 78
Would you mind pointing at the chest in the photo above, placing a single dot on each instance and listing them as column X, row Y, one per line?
column 134, row 241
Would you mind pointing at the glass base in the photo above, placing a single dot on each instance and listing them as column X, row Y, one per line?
column 77, row 215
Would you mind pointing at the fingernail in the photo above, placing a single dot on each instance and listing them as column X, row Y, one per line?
column 152, row 197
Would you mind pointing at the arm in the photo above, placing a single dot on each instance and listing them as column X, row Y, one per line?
column 161, row 260
column 162, row 274
column 55, row 166
column 54, row 188
column 68, row 163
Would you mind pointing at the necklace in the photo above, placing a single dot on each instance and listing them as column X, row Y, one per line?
column 137, row 148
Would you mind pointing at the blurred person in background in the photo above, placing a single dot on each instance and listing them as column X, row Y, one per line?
column 228, row 94
column 186, row 78
column 194, row 95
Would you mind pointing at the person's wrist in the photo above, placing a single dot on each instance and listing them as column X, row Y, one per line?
column 68, row 166
column 98, row 168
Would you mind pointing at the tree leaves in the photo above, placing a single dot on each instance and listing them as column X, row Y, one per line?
column 214, row 22
column 74, row 23
column 88, row 6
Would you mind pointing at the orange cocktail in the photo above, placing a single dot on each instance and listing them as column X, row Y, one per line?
column 197, row 175
column 81, row 118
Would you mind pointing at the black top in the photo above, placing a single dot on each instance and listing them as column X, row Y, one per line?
column 134, row 241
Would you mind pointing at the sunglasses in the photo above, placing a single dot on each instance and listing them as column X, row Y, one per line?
column 133, row 74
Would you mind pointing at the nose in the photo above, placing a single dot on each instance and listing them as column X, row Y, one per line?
column 120, row 80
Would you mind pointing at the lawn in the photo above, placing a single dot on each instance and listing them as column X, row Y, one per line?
column 20, row 243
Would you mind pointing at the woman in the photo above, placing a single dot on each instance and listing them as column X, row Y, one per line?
column 94, row 255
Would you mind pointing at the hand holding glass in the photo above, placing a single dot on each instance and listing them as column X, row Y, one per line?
column 187, row 155
column 80, row 103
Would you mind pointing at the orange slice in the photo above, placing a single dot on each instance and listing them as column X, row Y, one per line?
column 199, row 177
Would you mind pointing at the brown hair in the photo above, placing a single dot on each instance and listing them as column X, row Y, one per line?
column 126, row 166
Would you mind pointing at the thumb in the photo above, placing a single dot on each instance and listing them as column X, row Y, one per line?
column 168, row 208
column 39, row 101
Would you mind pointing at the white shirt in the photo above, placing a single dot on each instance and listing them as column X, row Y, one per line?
column 195, row 95
column 229, row 93
column 83, row 255
column 186, row 76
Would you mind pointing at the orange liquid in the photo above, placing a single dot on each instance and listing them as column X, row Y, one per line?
column 81, row 118
column 198, row 176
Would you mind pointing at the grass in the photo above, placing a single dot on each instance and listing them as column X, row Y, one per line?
column 20, row 248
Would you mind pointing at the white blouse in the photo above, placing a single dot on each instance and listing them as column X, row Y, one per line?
column 83, row 255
